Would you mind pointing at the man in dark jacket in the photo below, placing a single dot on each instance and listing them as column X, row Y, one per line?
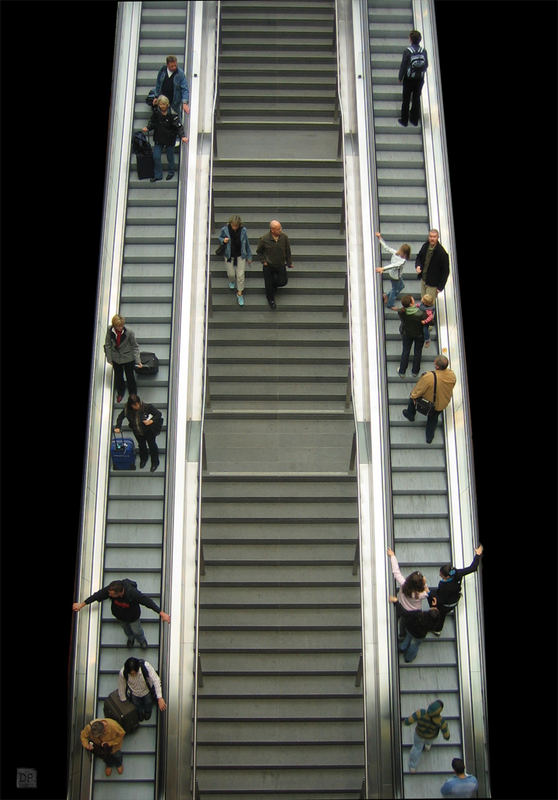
column 166, row 127
column 411, row 73
column 125, row 607
column 448, row 592
column 412, row 332
column 274, row 250
column 432, row 264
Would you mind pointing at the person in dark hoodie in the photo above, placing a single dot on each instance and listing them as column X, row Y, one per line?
column 417, row 625
column 125, row 607
column 166, row 127
column 412, row 333
column 122, row 352
column 146, row 422
column 429, row 724
column 432, row 264
column 446, row 595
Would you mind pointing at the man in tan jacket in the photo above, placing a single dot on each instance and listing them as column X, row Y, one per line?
column 104, row 738
column 424, row 387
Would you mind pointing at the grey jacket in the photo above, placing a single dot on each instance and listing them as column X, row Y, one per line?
column 128, row 350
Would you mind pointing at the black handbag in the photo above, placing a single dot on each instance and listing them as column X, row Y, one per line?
column 221, row 250
column 427, row 406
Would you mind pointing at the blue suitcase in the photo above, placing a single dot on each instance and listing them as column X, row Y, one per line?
column 122, row 452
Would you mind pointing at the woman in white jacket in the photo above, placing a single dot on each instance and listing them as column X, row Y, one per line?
column 138, row 682
column 394, row 270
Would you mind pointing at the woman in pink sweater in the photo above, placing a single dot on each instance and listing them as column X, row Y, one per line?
column 412, row 590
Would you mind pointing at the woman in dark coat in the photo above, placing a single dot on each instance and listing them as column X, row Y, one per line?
column 146, row 422
column 166, row 127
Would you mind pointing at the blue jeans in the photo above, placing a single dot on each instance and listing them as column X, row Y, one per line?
column 157, row 151
column 133, row 630
column 410, row 646
column 416, row 750
column 396, row 288
column 143, row 704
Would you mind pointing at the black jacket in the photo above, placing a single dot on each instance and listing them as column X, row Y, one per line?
column 147, row 411
column 127, row 607
column 166, row 127
column 419, row 623
column 449, row 591
column 275, row 253
column 411, row 324
column 438, row 269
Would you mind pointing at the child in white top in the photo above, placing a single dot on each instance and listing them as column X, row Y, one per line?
column 394, row 270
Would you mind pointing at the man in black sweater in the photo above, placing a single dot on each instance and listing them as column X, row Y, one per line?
column 125, row 607
column 432, row 264
column 412, row 332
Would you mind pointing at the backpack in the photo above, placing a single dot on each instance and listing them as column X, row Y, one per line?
column 140, row 144
column 417, row 63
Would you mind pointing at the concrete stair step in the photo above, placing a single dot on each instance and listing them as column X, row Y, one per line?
column 325, row 777
column 261, row 685
column 278, row 486
column 326, row 709
column 282, row 575
column 299, row 754
column 280, row 731
column 269, row 596
column 308, row 530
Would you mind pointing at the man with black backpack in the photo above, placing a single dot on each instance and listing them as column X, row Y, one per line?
column 411, row 73
column 125, row 607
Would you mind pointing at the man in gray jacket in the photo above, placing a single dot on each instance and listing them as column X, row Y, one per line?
column 122, row 351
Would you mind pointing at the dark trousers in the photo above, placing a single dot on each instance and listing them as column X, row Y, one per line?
column 407, row 344
column 113, row 759
column 431, row 419
column 412, row 87
column 148, row 441
column 119, row 370
column 273, row 278
column 444, row 610
column 143, row 704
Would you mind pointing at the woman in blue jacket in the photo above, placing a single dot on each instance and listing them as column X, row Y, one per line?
column 237, row 254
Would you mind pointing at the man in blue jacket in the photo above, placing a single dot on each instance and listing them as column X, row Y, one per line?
column 172, row 83
column 411, row 73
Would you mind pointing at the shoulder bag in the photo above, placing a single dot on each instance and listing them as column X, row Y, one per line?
column 427, row 406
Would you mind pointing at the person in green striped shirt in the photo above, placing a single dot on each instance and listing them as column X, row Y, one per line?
column 429, row 724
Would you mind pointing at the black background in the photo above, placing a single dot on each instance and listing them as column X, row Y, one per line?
column 498, row 64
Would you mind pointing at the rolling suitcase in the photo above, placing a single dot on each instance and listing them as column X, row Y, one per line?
column 150, row 364
column 122, row 452
column 125, row 713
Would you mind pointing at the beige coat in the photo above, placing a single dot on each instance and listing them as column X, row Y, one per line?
column 424, row 387
column 113, row 735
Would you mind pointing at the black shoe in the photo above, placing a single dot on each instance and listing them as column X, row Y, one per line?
column 414, row 123
column 130, row 643
column 143, row 462
column 407, row 415
column 170, row 176
column 144, row 645
column 147, row 714
column 272, row 303
column 154, row 466
column 415, row 374
column 400, row 121
column 152, row 180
